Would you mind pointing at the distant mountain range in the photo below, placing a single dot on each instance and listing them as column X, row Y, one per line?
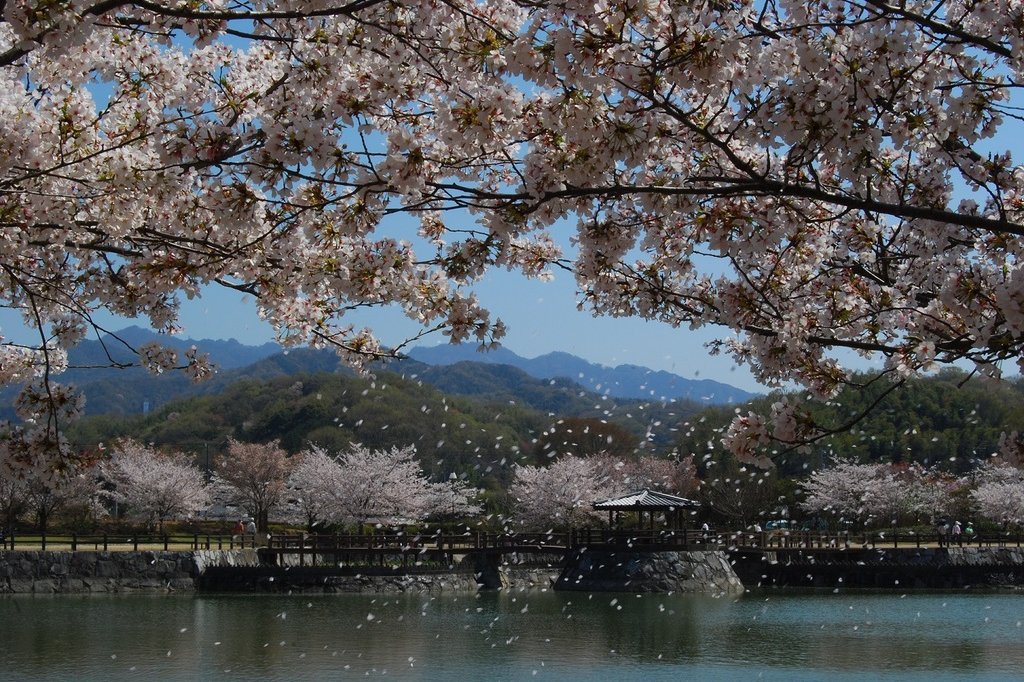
column 624, row 381
column 228, row 354
column 458, row 370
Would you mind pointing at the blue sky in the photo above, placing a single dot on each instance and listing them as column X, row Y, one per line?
column 541, row 318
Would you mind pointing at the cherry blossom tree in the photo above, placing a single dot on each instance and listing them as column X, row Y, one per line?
column 999, row 493
column 389, row 486
column 739, row 494
column 809, row 176
column 853, row 491
column 561, row 494
column 1000, row 501
column 313, row 486
column 453, row 499
column 254, row 477
column 933, row 494
column 380, row 486
column 46, row 494
column 879, row 491
column 12, row 498
column 629, row 474
column 154, row 486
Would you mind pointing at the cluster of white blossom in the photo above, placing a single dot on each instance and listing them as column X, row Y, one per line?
column 153, row 486
column 252, row 477
column 999, row 492
column 880, row 492
column 816, row 152
column 372, row 486
column 562, row 494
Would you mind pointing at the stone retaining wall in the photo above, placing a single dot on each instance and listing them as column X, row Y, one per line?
column 637, row 571
column 937, row 568
column 470, row 573
column 592, row 570
column 79, row 572
column 519, row 578
column 326, row 579
column 514, row 571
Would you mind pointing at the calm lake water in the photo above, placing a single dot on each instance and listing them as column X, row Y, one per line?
column 515, row 635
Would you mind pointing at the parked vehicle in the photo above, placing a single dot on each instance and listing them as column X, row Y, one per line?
column 779, row 524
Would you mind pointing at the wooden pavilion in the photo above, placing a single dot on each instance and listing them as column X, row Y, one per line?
column 650, row 502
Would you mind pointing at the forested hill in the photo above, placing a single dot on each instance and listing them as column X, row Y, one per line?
column 514, row 418
column 483, row 435
column 945, row 420
column 471, row 412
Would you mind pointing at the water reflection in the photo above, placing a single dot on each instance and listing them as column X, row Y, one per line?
column 512, row 635
column 879, row 633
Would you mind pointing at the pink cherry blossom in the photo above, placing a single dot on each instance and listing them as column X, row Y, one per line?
column 561, row 494
column 361, row 486
column 151, row 486
column 806, row 176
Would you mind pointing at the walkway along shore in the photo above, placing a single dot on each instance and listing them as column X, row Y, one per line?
column 584, row 560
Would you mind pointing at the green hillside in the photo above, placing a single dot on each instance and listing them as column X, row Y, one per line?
column 505, row 416
column 946, row 420
column 479, row 436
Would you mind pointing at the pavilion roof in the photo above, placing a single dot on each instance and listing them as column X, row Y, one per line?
column 645, row 500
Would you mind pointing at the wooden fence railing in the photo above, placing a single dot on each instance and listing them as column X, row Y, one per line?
column 639, row 538
column 413, row 542
column 547, row 542
column 893, row 539
column 81, row 542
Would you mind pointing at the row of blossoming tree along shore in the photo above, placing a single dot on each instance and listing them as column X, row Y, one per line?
column 811, row 178
column 316, row 490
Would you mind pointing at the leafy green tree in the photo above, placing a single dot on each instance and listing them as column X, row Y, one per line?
column 583, row 437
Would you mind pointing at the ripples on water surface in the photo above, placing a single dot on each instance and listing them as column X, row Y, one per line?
column 514, row 635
